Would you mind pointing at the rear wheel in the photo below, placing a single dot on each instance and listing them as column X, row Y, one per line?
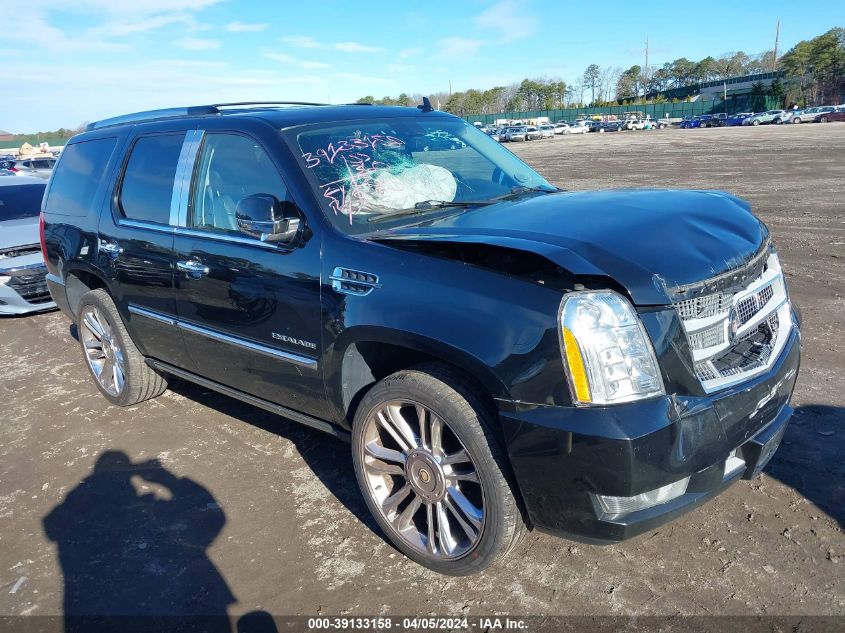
column 118, row 368
column 796, row 120
column 755, row 122
column 824, row 119
column 432, row 472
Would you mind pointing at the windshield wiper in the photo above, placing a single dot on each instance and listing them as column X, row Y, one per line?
column 519, row 190
column 429, row 205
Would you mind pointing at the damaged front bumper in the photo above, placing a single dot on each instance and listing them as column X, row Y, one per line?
column 606, row 474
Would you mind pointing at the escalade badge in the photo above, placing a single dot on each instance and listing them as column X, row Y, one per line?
column 295, row 341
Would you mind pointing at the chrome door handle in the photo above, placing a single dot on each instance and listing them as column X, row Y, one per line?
column 192, row 268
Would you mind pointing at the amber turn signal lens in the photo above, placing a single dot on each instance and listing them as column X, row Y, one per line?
column 576, row 367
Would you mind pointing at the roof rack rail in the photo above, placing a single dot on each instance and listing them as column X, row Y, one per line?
column 254, row 103
column 167, row 113
column 151, row 115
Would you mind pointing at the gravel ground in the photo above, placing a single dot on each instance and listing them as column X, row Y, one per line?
column 277, row 507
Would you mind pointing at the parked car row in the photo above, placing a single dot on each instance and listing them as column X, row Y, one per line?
column 818, row 114
column 510, row 134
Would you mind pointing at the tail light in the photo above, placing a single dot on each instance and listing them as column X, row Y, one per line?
column 14, row 169
column 41, row 235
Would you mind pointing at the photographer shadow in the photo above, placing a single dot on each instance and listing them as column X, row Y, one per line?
column 132, row 541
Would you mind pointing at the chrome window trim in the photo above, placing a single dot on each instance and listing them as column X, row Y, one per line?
column 296, row 359
column 184, row 176
column 224, row 237
column 209, row 235
column 152, row 226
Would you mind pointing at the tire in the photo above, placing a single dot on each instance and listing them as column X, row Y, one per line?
column 105, row 344
column 824, row 119
column 755, row 122
column 397, row 420
column 796, row 120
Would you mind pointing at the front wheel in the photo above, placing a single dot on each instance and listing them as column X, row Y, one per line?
column 432, row 472
column 755, row 123
column 823, row 119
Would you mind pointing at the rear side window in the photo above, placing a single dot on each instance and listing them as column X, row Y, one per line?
column 148, row 180
column 20, row 201
column 78, row 175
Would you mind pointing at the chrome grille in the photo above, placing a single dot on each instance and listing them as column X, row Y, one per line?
column 750, row 306
column 707, row 338
column 733, row 335
column 19, row 251
column 703, row 307
column 31, row 287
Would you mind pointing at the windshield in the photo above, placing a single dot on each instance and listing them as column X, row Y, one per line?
column 367, row 171
column 20, row 201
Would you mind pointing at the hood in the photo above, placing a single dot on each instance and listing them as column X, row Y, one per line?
column 647, row 240
column 20, row 232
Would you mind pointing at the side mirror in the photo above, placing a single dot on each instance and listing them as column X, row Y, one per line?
column 262, row 215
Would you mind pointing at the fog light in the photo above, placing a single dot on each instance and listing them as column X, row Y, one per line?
column 626, row 505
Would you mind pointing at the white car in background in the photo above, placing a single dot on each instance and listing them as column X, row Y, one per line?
column 23, row 286
column 578, row 128
column 561, row 127
column 37, row 167
column 514, row 134
column 547, row 131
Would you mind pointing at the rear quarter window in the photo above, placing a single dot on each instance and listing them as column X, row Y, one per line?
column 147, row 187
column 78, row 175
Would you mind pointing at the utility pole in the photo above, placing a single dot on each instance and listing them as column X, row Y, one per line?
column 645, row 69
column 775, row 57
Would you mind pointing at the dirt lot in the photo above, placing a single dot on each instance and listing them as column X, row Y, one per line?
column 279, row 503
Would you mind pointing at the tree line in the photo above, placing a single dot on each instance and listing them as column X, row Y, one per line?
column 815, row 73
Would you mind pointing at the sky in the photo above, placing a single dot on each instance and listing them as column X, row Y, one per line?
column 64, row 63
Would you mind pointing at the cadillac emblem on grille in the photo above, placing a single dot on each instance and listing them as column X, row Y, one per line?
column 733, row 325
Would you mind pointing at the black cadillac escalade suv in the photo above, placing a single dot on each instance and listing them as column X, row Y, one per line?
column 499, row 353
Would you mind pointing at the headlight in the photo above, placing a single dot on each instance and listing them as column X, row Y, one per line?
column 606, row 349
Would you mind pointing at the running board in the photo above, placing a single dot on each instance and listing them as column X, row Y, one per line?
column 296, row 416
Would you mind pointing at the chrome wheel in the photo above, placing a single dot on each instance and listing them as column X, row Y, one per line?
column 102, row 351
column 422, row 480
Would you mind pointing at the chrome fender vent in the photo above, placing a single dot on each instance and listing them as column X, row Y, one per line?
column 353, row 282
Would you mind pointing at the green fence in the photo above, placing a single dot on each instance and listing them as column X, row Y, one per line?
column 679, row 110
column 34, row 140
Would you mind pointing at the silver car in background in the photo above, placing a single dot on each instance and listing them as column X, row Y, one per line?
column 37, row 167
column 764, row 117
column 513, row 134
column 809, row 115
column 23, row 288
